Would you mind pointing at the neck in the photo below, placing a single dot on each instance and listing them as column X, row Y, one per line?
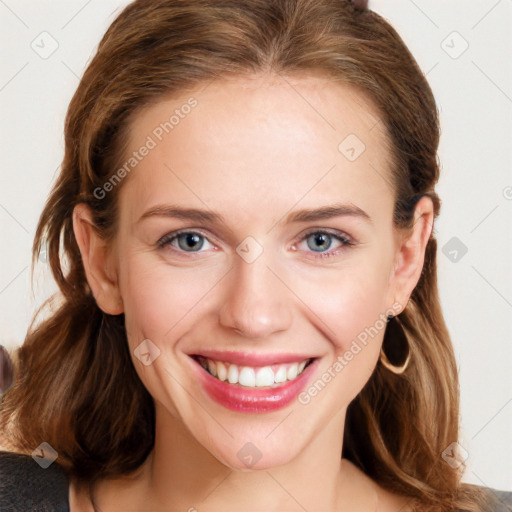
column 181, row 474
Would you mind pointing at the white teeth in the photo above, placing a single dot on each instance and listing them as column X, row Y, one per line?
column 292, row 371
column 233, row 374
column 253, row 377
column 222, row 373
column 264, row 377
column 247, row 377
column 280, row 375
column 212, row 367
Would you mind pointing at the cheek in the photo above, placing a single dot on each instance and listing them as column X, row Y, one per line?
column 348, row 300
column 162, row 303
column 159, row 299
column 353, row 307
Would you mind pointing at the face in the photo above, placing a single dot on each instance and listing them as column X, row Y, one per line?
column 256, row 239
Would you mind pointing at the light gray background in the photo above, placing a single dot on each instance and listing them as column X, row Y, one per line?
column 473, row 88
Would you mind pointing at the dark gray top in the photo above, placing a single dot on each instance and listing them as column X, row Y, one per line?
column 25, row 486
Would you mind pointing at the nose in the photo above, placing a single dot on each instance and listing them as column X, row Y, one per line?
column 257, row 303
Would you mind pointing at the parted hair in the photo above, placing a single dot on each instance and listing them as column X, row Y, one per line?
column 76, row 386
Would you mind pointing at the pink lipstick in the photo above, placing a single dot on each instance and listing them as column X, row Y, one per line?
column 256, row 383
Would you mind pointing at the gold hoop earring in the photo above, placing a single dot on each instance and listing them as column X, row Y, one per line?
column 395, row 353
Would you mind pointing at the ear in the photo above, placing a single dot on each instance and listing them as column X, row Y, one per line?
column 98, row 262
column 410, row 252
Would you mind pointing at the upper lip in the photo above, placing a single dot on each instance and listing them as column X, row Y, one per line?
column 252, row 358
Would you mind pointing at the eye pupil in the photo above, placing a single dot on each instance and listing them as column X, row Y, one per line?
column 322, row 239
column 191, row 241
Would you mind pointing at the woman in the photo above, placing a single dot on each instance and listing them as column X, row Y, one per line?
column 249, row 315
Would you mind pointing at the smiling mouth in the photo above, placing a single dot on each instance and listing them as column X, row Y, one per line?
column 252, row 376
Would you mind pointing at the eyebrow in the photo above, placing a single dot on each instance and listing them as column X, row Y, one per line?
column 327, row 212
column 179, row 212
column 305, row 215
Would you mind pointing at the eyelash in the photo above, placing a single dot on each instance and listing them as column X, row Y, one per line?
column 346, row 241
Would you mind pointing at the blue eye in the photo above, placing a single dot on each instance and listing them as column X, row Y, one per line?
column 321, row 241
column 187, row 241
column 191, row 241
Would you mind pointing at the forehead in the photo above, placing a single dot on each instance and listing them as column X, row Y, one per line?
column 254, row 145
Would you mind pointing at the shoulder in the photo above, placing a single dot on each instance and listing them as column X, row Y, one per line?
column 498, row 500
column 26, row 485
column 504, row 500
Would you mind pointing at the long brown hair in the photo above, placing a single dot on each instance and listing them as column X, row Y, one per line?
column 77, row 388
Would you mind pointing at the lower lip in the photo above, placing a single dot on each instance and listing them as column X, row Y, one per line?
column 244, row 399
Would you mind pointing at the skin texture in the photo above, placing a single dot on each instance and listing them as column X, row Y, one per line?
column 254, row 150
